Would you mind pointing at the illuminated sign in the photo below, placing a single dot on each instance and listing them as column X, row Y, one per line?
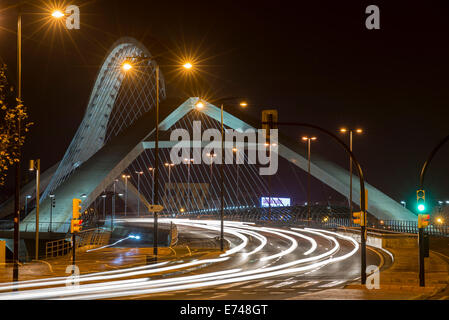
column 275, row 202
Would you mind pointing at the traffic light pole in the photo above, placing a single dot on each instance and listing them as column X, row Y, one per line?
column 363, row 199
column 73, row 252
column 421, row 257
column 363, row 251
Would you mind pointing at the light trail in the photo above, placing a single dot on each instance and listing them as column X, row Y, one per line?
column 143, row 286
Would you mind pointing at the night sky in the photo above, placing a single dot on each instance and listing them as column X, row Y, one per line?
column 314, row 61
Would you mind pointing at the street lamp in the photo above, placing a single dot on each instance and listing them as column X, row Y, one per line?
column 308, row 139
column 152, row 184
column 211, row 157
column 235, row 150
column 104, row 204
column 127, row 66
column 188, row 65
column 440, row 220
column 113, row 206
column 35, row 165
column 169, row 166
column 404, row 203
column 139, row 173
column 200, row 105
column 188, row 162
column 57, row 15
column 351, row 131
column 52, row 205
column 126, row 177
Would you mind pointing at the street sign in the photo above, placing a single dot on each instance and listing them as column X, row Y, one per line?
column 155, row 208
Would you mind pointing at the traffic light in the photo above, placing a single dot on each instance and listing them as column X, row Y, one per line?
column 423, row 220
column 421, row 200
column 76, row 206
column 76, row 226
column 359, row 218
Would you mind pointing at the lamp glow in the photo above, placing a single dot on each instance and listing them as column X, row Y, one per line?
column 57, row 14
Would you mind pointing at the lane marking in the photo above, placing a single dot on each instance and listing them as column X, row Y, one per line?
column 283, row 284
column 332, row 284
column 306, row 284
column 227, row 286
column 258, row 284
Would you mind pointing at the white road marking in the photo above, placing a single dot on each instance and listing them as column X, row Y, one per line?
column 283, row 284
column 306, row 284
column 332, row 284
column 258, row 284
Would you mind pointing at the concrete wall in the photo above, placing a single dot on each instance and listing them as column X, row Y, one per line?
column 2, row 253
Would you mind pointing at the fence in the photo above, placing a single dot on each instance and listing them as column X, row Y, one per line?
column 91, row 237
column 321, row 218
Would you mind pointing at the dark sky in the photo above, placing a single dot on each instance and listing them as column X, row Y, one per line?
column 312, row 60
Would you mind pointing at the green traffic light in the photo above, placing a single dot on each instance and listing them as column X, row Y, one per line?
column 421, row 207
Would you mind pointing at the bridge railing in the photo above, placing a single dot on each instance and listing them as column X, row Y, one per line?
column 90, row 237
column 297, row 216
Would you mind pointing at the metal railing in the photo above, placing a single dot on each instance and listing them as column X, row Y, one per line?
column 90, row 237
column 294, row 216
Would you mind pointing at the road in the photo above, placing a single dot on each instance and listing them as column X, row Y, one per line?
column 261, row 263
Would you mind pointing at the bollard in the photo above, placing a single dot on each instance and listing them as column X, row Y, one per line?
column 2, row 253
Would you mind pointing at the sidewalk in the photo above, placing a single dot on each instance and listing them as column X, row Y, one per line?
column 399, row 282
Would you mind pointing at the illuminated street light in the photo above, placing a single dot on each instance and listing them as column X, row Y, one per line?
column 139, row 173
column 188, row 65
column 126, row 177
column 199, row 105
column 308, row 139
column 243, row 104
column 359, row 131
column 57, row 14
column 126, row 66
column 440, row 220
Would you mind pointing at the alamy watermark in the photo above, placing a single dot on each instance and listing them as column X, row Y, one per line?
column 72, row 281
column 200, row 145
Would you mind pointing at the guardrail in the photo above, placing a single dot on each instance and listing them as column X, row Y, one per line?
column 90, row 237
column 321, row 220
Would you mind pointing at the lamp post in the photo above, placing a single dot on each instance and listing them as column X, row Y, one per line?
column 15, row 276
column 126, row 177
column 104, row 204
column 188, row 162
column 139, row 173
column 113, row 206
column 52, row 205
column 35, row 165
column 344, row 130
column 308, row 139
column 235, row 150
column 169, row 166
column 26, row 204
column 211, row 157
column 152, row 184
column 127, row 65
column 200, row 105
